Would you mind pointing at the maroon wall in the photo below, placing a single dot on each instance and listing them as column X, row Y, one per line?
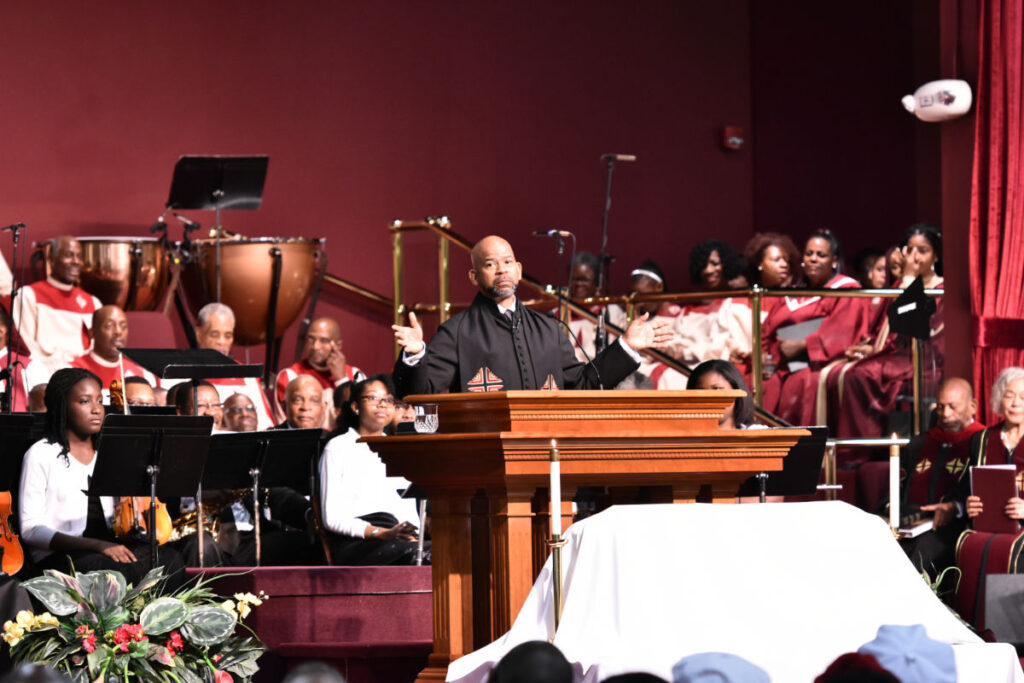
column 494, row 114
column 834, row 147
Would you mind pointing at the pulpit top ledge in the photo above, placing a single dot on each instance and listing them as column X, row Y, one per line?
column 594, row 413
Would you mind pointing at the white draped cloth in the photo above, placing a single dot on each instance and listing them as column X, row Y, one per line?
column 788, row 586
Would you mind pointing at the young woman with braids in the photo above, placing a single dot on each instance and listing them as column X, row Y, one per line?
column 60, row 523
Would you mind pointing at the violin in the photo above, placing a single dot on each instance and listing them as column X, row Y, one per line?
column 12, row 557
column 131, row 519
column 131, row 514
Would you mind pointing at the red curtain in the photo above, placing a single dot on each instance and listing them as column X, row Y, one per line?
column 997, row 198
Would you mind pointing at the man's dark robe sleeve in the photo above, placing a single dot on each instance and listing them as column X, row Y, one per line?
column 436, row 371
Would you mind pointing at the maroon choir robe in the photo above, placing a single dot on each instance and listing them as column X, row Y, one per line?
column 792, row 395
column 863, row 393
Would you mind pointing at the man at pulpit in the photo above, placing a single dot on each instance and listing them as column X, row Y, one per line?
column 497, row 344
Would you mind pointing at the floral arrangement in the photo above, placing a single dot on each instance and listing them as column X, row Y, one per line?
column 98, row 629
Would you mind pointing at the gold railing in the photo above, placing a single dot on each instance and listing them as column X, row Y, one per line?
column 441, row 227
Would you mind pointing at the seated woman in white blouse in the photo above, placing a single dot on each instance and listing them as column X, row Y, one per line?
column 60, row 523
column 368, row 522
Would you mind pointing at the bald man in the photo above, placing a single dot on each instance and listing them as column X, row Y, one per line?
column 54, row 315
column 497, row 344
column 109, row 334
column 322, row 359
column 304, row 404
column 934, row 467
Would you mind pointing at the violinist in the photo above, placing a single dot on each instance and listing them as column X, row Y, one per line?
column 61, row 525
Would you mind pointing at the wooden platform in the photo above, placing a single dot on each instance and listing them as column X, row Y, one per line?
column 373, row 624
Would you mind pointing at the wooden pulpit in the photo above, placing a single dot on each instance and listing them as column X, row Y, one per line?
column 486, row 473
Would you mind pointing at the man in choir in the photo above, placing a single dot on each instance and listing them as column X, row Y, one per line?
column 53, row 315
column 109, row 335
column 215, row 329
column 323, row 359
column 498, row 344
column 304, row 404
column 583, row 285
column 239, row 414
column 207, row 401
column 138, row 392
column 933, row 463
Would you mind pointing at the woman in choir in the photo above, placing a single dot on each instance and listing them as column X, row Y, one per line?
column 62, row 525
column 997, row 445
column 715, row 327
column 772, row 262
column 806, row 333
column 864, row 388
column 368, row 522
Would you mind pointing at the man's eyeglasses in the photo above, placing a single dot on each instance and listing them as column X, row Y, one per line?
column 386, row 400
column 238, row 410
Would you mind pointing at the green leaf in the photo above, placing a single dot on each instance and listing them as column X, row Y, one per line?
column 53, row 594
column 163, row 615
column 107, row 590
column 113, row 617
column 187, row 675
column 152, row 578
column 208, row 625
column 69, row 581
column 95, row 660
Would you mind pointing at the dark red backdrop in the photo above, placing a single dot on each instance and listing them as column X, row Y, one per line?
column 494, row 114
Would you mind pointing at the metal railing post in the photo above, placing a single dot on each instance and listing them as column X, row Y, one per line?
column 396, row 257
column 756, row 360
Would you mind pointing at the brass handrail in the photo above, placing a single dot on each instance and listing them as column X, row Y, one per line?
column 441, row 227
column 352, row 287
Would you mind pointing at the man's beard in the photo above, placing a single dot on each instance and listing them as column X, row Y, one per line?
column 499, row 294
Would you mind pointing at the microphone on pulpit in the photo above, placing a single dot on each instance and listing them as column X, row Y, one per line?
column 590, row 361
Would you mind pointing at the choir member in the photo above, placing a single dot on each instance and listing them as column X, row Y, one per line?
column 997, row 445
column 53, row 316
column 109, row 334
column 322, row 359
column 828, row 326
column 863, row 390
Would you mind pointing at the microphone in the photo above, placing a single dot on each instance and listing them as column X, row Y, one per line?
column 189, row 224
column 590, row 361
column 13, row 226
column 618, row 157
column 552, row 233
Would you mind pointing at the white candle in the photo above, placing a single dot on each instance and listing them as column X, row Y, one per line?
column 894, row 485
column 556, row 491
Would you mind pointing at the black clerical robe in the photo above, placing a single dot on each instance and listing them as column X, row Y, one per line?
column 479, row 349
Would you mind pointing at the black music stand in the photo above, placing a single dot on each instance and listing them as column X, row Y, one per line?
column 277, row 457
column 218, row 182
column 800, row 469
column 130, row 459
column 193, row 365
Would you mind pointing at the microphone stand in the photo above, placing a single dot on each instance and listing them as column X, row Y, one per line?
column 605, row 258
column 7, row 374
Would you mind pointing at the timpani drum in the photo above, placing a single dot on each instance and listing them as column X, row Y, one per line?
column 130, row 272
column 247, row 274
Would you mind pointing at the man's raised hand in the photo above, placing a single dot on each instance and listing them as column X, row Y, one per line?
column 647, row 334
column 409, row 338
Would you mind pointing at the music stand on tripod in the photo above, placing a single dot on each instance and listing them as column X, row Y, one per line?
column 277, row 457
column 130, row 459
column 193, row 365
column 218, row 182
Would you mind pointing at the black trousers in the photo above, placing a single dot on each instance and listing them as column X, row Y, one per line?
column 87, row 560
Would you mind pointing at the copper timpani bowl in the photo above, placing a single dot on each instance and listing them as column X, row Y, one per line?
column 130, row 272
column 247, row 278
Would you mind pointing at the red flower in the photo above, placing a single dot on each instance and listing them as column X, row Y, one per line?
column 222, row 677
column 174, row 643
column 127, row 634
column 88, row 638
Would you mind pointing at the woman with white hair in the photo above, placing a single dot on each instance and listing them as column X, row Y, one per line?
column 998, row 445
